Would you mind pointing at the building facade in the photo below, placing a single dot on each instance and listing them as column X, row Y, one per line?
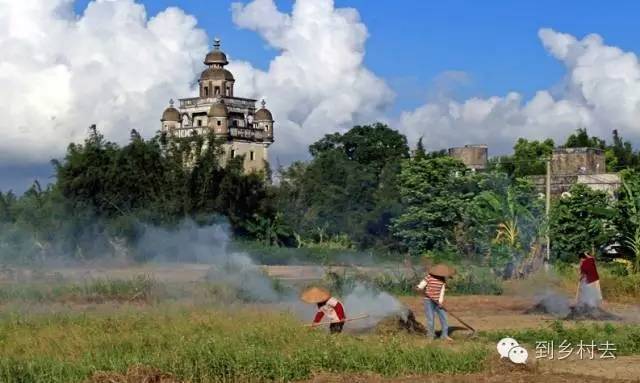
column 475, row 157
column 245, row 130
column 570, row 166
column 577, row 161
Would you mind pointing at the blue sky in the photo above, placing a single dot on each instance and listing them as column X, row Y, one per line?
column 412, row 42
column 412, row 45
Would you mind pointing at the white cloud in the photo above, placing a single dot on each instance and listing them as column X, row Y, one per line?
column 112, row 65
column 601, row 92
column 318, row 83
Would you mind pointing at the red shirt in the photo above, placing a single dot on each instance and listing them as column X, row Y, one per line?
column 588, row 270
column 333, row 309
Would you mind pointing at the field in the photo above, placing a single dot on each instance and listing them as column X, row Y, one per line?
column 171, row 323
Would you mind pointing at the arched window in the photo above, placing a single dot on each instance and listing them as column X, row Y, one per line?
column 206, row 91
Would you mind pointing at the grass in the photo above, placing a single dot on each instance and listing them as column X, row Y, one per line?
column 470, row 280
column 625, row 337
column 205, row 345
column 141, row 287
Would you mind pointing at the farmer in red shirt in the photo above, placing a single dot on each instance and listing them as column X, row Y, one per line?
column 327, row 306
column 589, row 292
column 433, row 286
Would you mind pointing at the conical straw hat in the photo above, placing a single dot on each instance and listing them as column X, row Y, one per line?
column 315, row 295
column 442, row 270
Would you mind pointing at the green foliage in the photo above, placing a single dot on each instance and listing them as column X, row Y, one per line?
column 581, row 139
column 434, row 193
column 475, row 280
column 628, row 218
column 505, row 218
column 529, row 157
column 349, row 187
column 581, row 221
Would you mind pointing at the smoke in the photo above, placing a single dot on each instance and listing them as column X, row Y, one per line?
column 376, row 304
column 554, row 304
column 209, row 244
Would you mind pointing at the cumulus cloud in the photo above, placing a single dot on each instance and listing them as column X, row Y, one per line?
column 112, row 65
column 317, row 83
column 601, row 92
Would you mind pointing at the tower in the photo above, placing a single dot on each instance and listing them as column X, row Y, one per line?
column 244, row 130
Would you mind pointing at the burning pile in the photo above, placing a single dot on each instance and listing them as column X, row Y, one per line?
column 586, row 312
column 402, row 321
column 560, row 306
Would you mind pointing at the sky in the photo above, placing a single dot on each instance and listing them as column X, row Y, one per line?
column 454, row 72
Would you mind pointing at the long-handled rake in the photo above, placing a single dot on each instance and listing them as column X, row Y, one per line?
column 465, row 324
column 360, row 317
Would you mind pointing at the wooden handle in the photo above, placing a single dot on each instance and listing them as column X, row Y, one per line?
column 342, row 321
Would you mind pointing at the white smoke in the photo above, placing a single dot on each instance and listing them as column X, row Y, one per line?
column 209, row 244
column 378, row 305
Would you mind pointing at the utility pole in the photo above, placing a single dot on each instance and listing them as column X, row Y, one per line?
column 548, row 210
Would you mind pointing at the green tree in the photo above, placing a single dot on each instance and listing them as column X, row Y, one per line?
column 507, row 214
column 628, row 218
column 435, row 193
column 529, row 157
column 584, row 220
column 620, row 154
column 420, row 152
column 581, row 139
column 349, row 187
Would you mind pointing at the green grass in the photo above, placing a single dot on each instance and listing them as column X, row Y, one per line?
column 141, row 287
column 625, row 337
column 208, row 346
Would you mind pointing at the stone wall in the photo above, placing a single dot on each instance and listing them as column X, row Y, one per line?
column 473, row 156
column 607, row 182
column 574, row 161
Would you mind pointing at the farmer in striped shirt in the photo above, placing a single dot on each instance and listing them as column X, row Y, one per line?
column 433, row 287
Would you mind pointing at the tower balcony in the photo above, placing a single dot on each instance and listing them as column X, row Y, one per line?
column 249, row 134
column 231, row 102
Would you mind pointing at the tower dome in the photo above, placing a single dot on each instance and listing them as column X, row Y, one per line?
column 264, row 114
column 216, row 56
column 213, row 73
column 218, row 109
column 171, row 113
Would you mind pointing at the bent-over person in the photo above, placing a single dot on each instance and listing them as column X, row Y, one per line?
column 327, row 306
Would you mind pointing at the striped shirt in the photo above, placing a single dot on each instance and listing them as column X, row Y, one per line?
column 433, row 288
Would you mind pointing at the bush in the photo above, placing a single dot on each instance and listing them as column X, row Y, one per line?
column 475, row 280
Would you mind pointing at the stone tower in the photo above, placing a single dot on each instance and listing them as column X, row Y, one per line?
column 245, row 130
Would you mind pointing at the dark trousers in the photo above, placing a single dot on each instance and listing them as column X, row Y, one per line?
column 336, row 328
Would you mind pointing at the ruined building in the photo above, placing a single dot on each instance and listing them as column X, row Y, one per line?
column 474, row 157
column 571, row 166
column 246, row 131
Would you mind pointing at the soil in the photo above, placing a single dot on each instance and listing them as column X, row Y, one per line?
column 135, row 374
column 621, row 370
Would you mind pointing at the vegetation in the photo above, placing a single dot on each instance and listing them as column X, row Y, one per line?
column 626, row 338
column 361, row 192
column 197, row 345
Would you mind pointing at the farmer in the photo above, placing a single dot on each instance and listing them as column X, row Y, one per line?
column 589, row 283
column 433, row 287
column 327, row 305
